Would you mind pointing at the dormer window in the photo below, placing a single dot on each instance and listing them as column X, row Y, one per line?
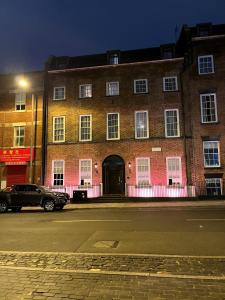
column 167, row 51
column 204, row 29
column 114, row 59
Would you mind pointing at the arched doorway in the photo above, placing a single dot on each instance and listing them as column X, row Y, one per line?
column 113, row 171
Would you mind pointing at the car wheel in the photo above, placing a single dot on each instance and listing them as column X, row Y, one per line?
column 49, row 205
column 16, row 209
column 3, row 207
column 60, row 207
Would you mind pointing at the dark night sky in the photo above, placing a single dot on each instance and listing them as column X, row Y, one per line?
column 31, row 30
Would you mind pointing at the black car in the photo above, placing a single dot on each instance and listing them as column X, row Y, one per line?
column 20, row 195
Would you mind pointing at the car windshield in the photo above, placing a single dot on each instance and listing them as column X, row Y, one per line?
column 7, row 189
column 44, row 189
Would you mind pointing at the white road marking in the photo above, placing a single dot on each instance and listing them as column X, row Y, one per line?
column 190, row 220
column 89, row 220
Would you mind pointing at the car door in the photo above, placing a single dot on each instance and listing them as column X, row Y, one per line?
column 32, row 195
column 16, row 195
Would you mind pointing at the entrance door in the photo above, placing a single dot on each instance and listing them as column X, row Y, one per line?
column 113, row 175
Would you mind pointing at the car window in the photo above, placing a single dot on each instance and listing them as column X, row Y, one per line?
column 20, row 188
column 31, row 188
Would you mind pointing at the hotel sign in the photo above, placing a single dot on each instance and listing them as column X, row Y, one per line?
column 19, row 155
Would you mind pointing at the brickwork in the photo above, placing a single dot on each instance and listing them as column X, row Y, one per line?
column 126, row 104
column 10, row 117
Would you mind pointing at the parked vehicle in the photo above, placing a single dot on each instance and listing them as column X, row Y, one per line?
column 20, row 195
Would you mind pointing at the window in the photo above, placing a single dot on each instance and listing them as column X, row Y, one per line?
column 170, row 84
column 142, row 171
column 213, row 186
column 211, row 154
column 114, row 59
column 205, row 64
column 113, row 126
column 58, row 172
column 112, row 88
column 20, row 101
column 58, row 129
column 140, row 86
column 59, row 93
column 85, row 91
column 174, row 173
column 85, row 128
column 172, row 123
column 208, row 108
column 141, row 125
column 85, row 171
column 19, row 136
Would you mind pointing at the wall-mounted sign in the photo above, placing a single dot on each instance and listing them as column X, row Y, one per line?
column 156, row 149
column 17, row 155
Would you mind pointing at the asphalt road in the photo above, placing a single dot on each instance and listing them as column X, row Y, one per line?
column 192, row 231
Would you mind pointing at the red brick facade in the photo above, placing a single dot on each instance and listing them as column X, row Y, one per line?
column 13, row 170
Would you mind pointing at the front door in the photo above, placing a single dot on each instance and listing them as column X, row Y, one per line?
column 113, row 175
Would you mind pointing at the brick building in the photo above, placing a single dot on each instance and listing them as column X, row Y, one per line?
column 20, row 128
column 144, row 123
column 115, row 123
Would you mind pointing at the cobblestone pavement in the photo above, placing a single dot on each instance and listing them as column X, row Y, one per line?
column 57, row 276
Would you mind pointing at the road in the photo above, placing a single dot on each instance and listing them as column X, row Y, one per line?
column 113, row 254
column 140, row 230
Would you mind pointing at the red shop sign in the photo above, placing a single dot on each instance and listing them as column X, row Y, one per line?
column 15, row 155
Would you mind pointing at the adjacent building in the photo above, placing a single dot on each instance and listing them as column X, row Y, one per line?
column 21, row 104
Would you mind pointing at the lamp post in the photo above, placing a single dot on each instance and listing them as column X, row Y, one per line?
column 24, row 84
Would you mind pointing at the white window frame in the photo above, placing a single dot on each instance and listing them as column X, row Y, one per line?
column 80, row 90
column 178, row 123
column 114, row 59
column 212, row 61
column 53, row 127
column 107, row 128
column 18, row 136
column 218, row 147
column 108, row 93
column 215, row 101
column 135, row 86
column 137, row 173
column 135, row 117
column 214, row 179
column 53, row 169
column 167, row 169
column 80, row 161
column 20, row 99
column 64, row 93
column 164, row 83
column 80, row 128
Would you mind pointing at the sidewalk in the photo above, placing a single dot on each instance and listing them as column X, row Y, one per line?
column 173, row 204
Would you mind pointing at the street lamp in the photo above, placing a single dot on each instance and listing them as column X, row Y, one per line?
column 24, row 84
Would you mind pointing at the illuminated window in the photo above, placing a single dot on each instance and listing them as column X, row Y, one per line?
column 211, row 154
column 174, row 173
column 19, row 136
column 208, row 108
column 85, row 171
column 113, row 132
column 59, row 93
column 172, row 123
column 169, row 84
column 20, row 101
column 112, row 88
column 85, row 128
column 140, row 86
column 114, row 59
column 58, row 172
column 58, row 129
column 213, row 186
column 142, row 171
column 205, row 64
column 141, row 125
column 85, row 90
